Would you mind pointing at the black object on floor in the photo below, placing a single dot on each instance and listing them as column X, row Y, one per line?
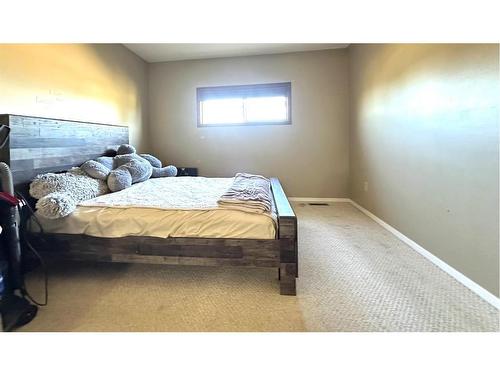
column 16, row 312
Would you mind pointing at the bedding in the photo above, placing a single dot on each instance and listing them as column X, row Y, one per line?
column 126, row 168
column 180, row 193
column 166, row 207
column 59, row 193
column 248, row 192
column 121, row 222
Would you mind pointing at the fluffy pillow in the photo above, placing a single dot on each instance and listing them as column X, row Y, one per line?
column 95, row 169
column 168, row 171
column 55, row 205
column 153, row 160
column 59, row 193
column 119, row 179
column 125, row 149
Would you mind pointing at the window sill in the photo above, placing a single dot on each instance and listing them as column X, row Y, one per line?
column 244, row 124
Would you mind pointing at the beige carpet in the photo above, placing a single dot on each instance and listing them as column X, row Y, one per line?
column 354, row 276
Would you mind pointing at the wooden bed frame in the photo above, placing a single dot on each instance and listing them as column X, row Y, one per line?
column 40, row 145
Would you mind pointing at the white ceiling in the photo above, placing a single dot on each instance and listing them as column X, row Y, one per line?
column 160, row 52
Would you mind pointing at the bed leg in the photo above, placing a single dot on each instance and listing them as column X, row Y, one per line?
column 287, row 272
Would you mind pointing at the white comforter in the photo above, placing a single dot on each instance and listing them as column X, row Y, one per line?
column 169, row 193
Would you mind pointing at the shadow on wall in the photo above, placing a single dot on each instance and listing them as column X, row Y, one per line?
column 97, row 83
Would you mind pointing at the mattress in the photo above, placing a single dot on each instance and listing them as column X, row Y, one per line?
column 175, row 207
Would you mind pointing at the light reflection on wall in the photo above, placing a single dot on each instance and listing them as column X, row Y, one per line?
column 96, row 83
column 424, row 150
column 401, row 85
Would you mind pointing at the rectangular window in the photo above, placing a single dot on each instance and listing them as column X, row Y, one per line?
column 263, row 104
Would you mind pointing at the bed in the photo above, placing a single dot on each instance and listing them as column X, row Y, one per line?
column 40, row 145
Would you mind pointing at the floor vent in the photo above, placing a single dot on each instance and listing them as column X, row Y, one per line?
column 318, row 204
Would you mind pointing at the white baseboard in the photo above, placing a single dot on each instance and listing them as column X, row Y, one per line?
column 457, row 275
column 476, row 288
column 318, row 200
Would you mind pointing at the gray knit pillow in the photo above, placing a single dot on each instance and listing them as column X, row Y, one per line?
column 55, row 205
column 95, row 169
column 59, row 193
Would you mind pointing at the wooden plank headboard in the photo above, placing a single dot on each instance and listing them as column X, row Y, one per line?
column 39, row 145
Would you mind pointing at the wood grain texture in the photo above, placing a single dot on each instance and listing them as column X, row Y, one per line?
column 40, row 145
column 190, row 251
column 287, row 224
column 278, row 253
column 288, row 273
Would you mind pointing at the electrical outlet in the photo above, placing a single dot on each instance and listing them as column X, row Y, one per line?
column 365, row 186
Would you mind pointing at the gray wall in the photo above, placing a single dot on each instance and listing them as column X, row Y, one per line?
column 310, row 156
column 424, row 137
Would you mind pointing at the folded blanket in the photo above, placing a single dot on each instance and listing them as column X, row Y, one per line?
column 248, row 192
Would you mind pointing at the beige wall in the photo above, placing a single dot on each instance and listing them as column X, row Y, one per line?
column 102, row 83
column 422, row 130
column 424, row 136
column 310, row 156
